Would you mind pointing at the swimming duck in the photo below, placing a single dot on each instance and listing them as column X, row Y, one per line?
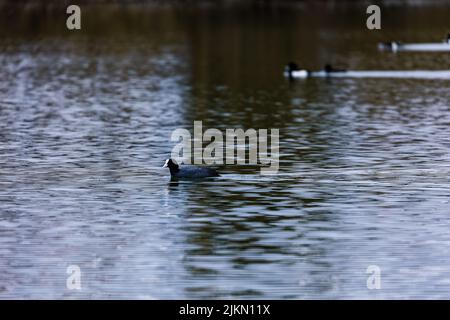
column 389, row 46
column 292, row 71
column 177, row 171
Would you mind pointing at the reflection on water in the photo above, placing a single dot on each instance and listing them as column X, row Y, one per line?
column 85, row 124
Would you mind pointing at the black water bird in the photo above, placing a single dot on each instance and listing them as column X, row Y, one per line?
column 177, row 171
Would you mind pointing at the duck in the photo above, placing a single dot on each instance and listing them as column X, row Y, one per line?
column 291, row 70
column 389, row 46
column 177, row 171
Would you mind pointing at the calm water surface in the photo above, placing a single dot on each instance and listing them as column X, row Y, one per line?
column 85, row 125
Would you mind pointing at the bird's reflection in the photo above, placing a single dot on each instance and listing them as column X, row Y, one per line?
column 173, row 183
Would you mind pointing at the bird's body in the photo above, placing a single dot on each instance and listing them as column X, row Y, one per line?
column 292, row 71
column 188, row 171
column 395, row 46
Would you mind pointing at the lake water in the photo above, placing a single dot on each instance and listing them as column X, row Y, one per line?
column 85, row 124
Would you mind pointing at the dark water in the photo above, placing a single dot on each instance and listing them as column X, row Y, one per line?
column 85, row 125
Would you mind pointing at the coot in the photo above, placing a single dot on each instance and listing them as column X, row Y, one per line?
column 177, row 171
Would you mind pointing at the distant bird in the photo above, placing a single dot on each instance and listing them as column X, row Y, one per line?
column 177, row 171
column 389, row 46
column 292, row 71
